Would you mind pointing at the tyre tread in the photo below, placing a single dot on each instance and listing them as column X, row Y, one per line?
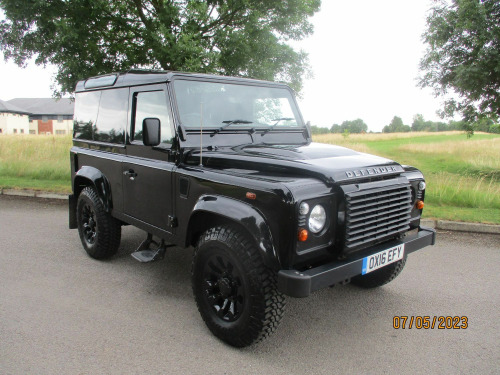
column 109, row 235
column 271, row 303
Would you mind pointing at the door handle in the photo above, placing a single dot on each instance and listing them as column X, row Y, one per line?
column 131, row 174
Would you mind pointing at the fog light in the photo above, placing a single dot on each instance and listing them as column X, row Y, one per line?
column 419, row 205
column 303, row 234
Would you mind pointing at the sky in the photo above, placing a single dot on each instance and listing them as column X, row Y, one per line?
column 364, row 57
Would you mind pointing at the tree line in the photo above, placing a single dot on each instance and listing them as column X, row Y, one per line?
column 250, row 38
column 419, row 124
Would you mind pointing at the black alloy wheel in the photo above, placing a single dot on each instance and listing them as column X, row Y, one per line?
column 236, row 294
column 223, row 288
column 89, row 224
column 99, row 232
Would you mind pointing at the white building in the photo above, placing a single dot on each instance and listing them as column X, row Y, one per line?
column 13, row 120
column 47, row 115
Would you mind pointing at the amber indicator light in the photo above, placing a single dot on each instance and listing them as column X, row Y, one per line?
column 251, row 195
column 303, row 234
column 419, row 205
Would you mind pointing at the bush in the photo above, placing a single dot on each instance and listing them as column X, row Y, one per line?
column 495, row 128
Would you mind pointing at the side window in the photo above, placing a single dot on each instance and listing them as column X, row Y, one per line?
column 152, row 104
column 86, row 107
column 112, row 117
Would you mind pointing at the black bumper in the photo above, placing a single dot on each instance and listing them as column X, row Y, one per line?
column 300, row 284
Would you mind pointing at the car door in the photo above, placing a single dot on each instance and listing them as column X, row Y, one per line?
column 147, row 170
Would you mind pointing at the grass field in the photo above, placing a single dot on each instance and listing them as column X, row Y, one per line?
column 463, row 175
column 36, row 162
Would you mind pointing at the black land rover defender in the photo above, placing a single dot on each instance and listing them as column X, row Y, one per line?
column 227, row 165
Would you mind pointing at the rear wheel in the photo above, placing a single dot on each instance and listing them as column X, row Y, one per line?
column 236, row 293
column 100, row 233
column 381, row 276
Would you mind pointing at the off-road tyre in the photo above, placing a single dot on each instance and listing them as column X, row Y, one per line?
column 229, row 276
column 100, row 233
column 381, row 276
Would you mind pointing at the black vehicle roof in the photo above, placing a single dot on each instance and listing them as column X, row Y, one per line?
column 145, row 77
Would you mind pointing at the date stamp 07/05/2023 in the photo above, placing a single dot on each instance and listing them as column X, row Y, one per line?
column 430, row 322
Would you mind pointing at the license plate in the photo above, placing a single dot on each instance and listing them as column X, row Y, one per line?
column 383, row 258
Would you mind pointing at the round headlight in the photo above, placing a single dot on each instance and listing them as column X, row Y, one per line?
column 317, row 219
column 304, row 208
column 421, row 185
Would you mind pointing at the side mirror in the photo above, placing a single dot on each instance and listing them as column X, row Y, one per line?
column 151, row 131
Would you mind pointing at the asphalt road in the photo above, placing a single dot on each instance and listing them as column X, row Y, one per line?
column 62, row 312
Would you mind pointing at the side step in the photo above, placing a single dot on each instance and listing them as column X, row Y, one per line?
column 144, row 254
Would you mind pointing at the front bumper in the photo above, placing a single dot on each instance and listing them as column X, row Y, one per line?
column 300, row 284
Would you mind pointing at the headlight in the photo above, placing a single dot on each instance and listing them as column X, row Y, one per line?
column 421, row 185
column 317, row 219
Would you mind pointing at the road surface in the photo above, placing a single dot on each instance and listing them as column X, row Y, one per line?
column 62, row 312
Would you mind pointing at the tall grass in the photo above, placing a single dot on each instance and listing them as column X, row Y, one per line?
column 463, row 175
column 38, row 157
column 481, row 153
column 377, row 137
column 448, row 189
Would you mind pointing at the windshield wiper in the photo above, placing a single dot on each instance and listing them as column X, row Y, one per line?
column 230, row 122
column 278, row 120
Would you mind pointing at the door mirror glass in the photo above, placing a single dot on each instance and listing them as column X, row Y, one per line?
column 151, row 131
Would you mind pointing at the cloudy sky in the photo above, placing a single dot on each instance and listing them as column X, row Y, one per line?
column 364, row 55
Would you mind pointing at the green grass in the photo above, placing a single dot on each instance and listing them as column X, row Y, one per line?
column 462, row 175
column 35, row 162
column 471, row 215
column 56, row 186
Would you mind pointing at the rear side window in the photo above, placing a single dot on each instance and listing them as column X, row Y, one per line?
column 86, row 108
column 112, row 116
column 152, row 104
column 101, row 115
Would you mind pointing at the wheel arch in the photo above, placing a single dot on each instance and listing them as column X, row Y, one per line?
column 212, row 210
column 90, row 176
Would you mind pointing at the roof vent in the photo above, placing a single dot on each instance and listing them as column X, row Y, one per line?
column 102, row 81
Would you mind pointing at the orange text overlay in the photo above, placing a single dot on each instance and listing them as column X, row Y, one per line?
column 430, row 322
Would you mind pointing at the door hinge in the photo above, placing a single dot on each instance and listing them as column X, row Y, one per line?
column 172, row 221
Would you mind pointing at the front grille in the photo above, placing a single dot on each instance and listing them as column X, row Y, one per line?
column 376, row 214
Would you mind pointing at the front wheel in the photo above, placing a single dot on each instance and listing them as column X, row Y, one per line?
column 100, row 233
column 236, row 293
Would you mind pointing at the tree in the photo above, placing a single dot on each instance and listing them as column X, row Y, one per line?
column 495, row 128
column 418, row 123
column 463, row 57
column 355, row 126
column 90, row 37
column 483, row 125
column 351, row 126
column 456, row 125
column 396, row 126
column 319, row 130
column 335, row 128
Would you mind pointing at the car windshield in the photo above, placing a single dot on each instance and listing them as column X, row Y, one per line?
column 228, row 105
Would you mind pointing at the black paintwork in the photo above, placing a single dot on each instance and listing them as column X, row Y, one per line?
column 178, row 190
column 302, row 283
